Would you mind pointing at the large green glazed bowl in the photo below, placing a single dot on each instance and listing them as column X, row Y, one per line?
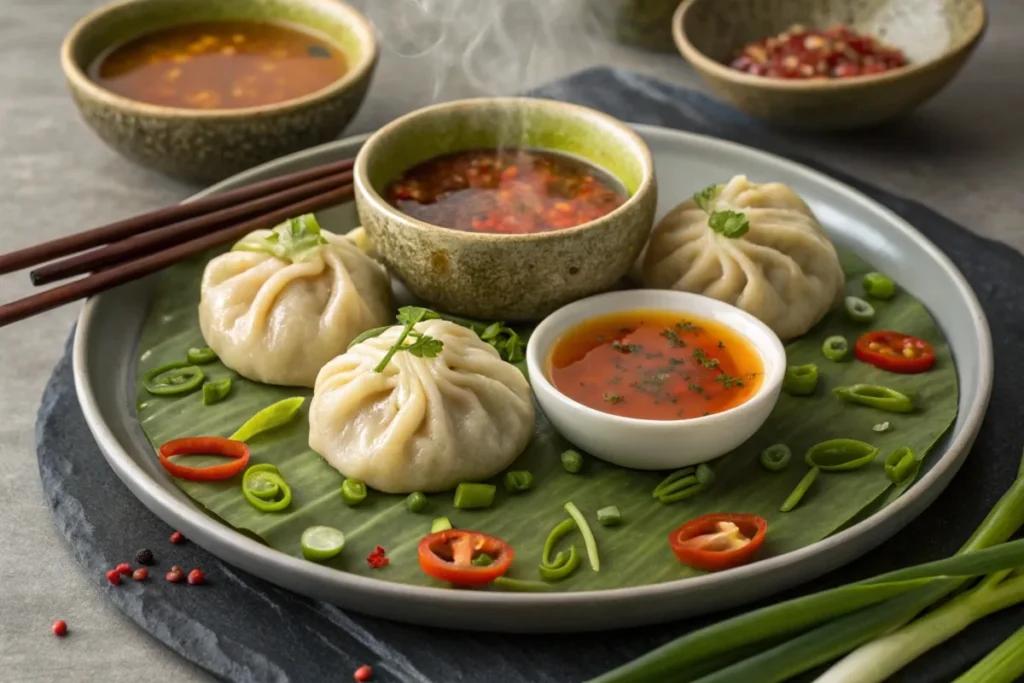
column 496, row 276
column 203, row 146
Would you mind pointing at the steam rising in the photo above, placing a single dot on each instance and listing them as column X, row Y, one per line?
column 472, row 48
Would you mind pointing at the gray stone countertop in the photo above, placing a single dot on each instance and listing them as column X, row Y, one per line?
column 963, row 154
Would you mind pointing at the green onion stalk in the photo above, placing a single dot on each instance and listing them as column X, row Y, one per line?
column 826, row 625
column 1005, row 664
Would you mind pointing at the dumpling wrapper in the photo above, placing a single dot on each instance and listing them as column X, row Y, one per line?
column 423, row 424
column 278, row 322
column 784, row 270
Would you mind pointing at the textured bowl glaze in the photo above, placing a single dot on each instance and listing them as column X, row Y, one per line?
column 506, row 277
column 204, row 146
column 936, row 35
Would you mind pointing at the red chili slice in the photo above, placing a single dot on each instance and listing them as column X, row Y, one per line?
column 204, row 445
column 448, row 555
column 895, row 352
column 697, row 543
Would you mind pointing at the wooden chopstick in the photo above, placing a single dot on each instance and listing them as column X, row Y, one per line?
column 176, row 233
column 41, row 253
column 133, row 270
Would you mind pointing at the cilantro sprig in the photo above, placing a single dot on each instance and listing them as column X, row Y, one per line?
column 295, row 240
column 505, row 341
column 731, row 224
column 421, row 345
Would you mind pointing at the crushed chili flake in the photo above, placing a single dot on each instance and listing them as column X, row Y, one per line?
column 803, row 53
column 377, row 558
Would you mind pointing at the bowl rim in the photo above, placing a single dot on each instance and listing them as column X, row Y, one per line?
column 348, row 15
column 365, row 192
column 705, row 63
column 773, row 357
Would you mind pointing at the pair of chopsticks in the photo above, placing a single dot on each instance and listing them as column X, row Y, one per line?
column 139, row 246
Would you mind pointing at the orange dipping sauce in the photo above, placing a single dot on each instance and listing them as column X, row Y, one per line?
column 655, row 365
column 220, row 65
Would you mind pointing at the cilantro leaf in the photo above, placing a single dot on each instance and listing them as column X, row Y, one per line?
column 295, row 240
column 410, row 315
column 425, row 346
column 706, row 197
column 731, row 224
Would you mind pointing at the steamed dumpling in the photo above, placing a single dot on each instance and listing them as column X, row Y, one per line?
column 783, row 270
column 423, row 424
column 284, row 302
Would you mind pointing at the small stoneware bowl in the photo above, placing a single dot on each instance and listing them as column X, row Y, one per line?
column 937, row 36
column 499, row 276
column 655, row 444
column 204, row 146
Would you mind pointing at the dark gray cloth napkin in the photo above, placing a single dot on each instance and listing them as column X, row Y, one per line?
column 243, row 629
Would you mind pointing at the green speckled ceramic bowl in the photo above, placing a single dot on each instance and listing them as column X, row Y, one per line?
column 203, row 146
column 936, row 35
column 506, row 277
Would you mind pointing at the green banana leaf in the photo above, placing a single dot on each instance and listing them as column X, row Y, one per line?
column 634, row 553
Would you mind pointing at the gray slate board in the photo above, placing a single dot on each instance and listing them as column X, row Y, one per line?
column 243, row 629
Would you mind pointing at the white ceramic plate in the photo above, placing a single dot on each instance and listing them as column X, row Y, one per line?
column 105, row 357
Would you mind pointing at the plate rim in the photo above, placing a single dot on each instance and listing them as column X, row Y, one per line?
column 224, row 541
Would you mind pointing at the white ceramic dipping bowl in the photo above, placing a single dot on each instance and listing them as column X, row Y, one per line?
column 655, row 444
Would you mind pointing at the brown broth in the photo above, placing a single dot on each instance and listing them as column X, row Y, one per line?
column 511, row 191
column 220, row 65
column 655, row 365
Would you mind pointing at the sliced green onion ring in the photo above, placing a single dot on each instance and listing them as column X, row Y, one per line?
column 776, row 457
column 173, row 379
column 901, row 465
column 321, row 543
column 216, row 391
column 840, row 455
column 353, row 492
column 835, row 348
column 265, row 488
column 201, row 356
column 876, row 396
column 858, row 310
column 563, row 564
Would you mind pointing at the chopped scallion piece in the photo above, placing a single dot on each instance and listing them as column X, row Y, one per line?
column 440, row 524
column 609, row 516
column 469, row 496
column 572, row 461
column 416, row 502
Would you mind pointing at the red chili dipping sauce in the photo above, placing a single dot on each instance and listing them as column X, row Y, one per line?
column 836, row 52
column 511, row 191
column 655, row 365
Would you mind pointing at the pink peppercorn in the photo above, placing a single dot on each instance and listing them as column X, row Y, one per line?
column 124, row 568
column 60, row 628
column 140, row 574
column 196, row 577
column 177, row 537
column 114, row 577
column 363, row 673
